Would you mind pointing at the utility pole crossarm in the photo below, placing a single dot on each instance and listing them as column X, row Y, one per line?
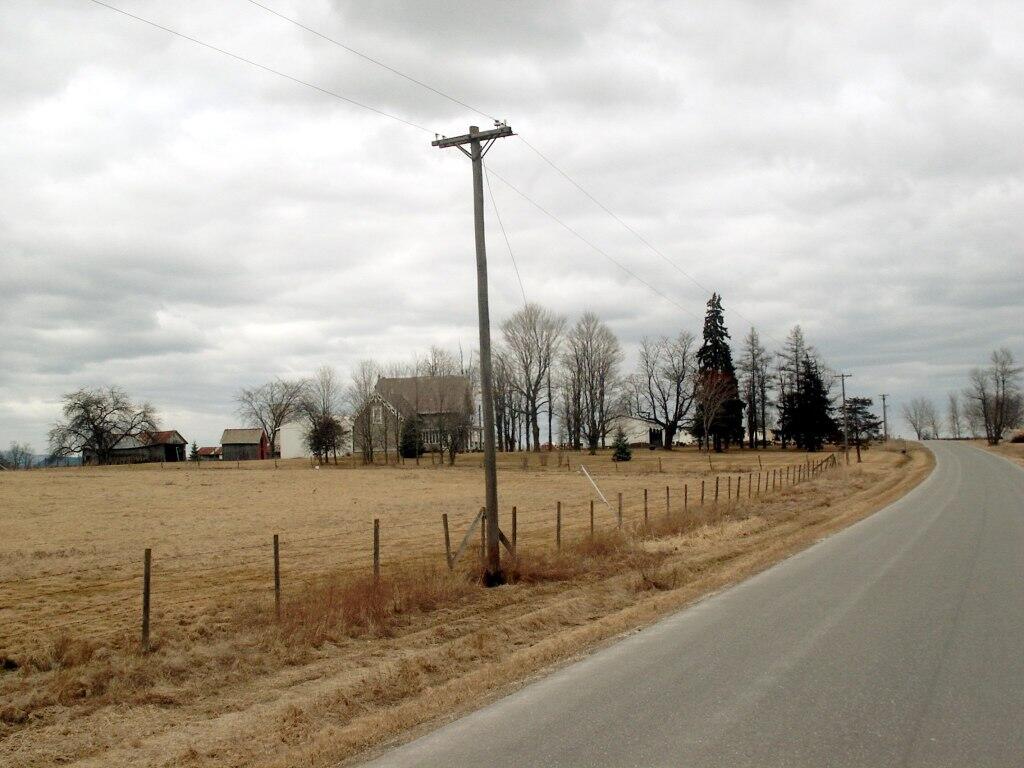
column 454, row 141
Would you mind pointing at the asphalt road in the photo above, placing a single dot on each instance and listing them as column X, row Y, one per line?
column 896, row 642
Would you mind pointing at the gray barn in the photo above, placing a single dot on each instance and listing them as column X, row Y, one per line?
column 244, row 445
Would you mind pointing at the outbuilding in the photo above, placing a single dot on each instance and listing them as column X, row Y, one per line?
column 145, row 447
column 244, row 445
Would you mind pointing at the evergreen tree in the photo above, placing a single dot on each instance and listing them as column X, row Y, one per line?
column 807, row 413
column 620, row 447
column 864, row 425
column 193, row 454
column 411, row 441
column 790, row 359
column 715, row 358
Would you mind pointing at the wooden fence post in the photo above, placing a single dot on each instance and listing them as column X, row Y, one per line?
column 686, row 497
column 447, row 542
column 277, row 577
column 702, row 493
column 645, row 506
column 376, row 549
column 147, row 559
column 591, row 518
column 668, row 504
column 514, row 531
column 659, row 464
column 728, row 488
column 750, row 477
column 620, row 509
column 716, row 489
column 483, row 538
column 558, row 525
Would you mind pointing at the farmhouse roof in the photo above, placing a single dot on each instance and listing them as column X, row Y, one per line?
column 425, row 394
column 241, row 437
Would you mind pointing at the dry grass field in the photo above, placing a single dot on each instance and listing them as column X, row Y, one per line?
column 1013, row 451
column 353, row 662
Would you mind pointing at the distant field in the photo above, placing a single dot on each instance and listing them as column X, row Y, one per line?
column 73, row 539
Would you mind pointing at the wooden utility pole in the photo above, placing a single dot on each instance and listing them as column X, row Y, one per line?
column 846, row 421
column 885, row 419
column 479, row 143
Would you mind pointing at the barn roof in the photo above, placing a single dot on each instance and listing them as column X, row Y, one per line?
column 425, row 394
column 143, row 439
column 241, row 436
column 167, row 437
column 209, row 451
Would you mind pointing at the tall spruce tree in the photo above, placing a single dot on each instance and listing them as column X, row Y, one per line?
column 715, row 358
column 790, row 359
column 807, row 415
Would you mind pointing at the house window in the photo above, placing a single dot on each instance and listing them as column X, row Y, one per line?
column 378, row 414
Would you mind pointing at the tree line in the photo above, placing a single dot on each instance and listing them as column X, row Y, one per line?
column 991, row 404
column 546, row 371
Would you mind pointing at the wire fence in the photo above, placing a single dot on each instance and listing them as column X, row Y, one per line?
column 153, row 589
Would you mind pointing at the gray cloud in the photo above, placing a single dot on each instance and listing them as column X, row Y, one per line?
column 183, row 224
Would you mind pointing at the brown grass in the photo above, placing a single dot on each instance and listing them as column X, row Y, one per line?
column 1012, row 451
column 354, row 661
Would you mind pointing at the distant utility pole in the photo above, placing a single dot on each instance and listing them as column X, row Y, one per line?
column 846, row 420
column 479, row 143
column 885, row 420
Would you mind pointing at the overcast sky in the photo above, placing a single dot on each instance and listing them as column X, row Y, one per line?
column 183, row 224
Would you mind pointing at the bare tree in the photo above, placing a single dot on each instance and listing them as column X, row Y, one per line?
column 994, row 395
column 570, row 389
column 95, row 420
column 17, row 456
column 592, row 356
column 508, row 402
column 661, row 392
column 934, row 422
column 921, row 416
column 321, row 407
column 360, row 397
column 270, row 406
column 753, row 368
column 954, row 416
column 713, row 390
column 532, row 337
column 454, row 419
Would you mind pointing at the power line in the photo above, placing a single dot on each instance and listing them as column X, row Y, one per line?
column 264, row 67
column 540, row 154
column 504, row 234
column 574, row 232
column 637, row 234
column 423, row 128
column 372, row 60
